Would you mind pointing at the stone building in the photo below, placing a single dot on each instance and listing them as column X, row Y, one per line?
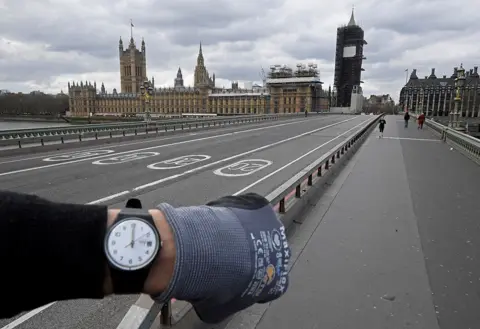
column 435, row 95
column 203, row 98
column 296, row 91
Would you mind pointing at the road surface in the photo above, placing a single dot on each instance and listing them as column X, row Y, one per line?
column 181, row 170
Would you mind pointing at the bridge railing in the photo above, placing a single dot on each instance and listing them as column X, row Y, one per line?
column 96, row 131
column 290, row 201
column 468, row 145
column 22, row 133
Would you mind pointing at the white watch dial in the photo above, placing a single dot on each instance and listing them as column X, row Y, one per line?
column 131, row 244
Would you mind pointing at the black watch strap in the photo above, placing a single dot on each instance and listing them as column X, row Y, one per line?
column 130, row 282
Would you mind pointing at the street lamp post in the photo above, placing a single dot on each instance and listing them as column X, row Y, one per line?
column 459, row 84
column 146, row 91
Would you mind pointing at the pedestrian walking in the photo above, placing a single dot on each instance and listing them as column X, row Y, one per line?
column 421, row 121
column 381, row 126
column 406, row 118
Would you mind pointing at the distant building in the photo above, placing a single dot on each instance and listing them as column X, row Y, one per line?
column 381, row 99
column 299, row 91
column 296, row 91
column 248, row 85
column 203, row 97
column 348, row 62
column 435, row 95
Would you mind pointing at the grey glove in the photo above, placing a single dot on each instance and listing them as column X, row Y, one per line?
column 230, row 254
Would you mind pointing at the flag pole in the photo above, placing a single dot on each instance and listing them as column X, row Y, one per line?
column 131, row 29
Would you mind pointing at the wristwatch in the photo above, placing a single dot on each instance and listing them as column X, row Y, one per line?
column 131, row 245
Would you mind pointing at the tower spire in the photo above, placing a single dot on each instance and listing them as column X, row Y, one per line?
column 352, row 18
column 200, row 61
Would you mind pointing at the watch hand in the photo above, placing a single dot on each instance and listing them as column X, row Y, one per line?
column 141, row 236
column 133, row 235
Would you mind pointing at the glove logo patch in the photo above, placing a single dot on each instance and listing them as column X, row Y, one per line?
column 276, row 240
column 270, row 274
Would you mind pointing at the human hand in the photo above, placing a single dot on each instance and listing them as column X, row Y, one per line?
column 230, row 254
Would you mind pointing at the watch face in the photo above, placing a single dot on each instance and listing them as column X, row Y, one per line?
column 131, row 244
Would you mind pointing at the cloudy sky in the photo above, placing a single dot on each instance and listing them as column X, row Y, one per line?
column 46, row 43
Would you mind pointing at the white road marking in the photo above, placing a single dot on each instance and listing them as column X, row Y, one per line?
column 414, row 139
column 99, row 148
column 227, row 128
column 109, row 197
column 179, row 162
column 153, row 147
column 125, row 158
column 141, row 187
column 242, row 168
column 135, row 312
column 77, row 155
column 297, row 159
column 134, row 317
column 26, row 316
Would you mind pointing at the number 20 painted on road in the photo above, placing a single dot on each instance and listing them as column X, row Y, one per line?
column 242, row 168
column 125, row 158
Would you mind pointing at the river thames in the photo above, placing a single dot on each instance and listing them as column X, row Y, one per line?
column 13, row 125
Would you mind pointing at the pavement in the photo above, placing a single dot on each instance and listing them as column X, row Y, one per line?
column 181, row 169
column 394, row 243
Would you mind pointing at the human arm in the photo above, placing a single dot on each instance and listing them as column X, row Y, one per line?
column 222, row 257
column 54, row 251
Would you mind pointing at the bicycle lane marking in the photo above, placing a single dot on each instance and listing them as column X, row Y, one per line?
column 153, row 147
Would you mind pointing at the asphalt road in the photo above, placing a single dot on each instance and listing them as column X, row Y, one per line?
column 205, row 167
column 392, row 244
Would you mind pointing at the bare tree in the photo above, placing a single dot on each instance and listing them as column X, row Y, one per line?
column 33, row 104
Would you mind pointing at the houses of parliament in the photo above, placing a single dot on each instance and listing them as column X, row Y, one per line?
column 284, row 91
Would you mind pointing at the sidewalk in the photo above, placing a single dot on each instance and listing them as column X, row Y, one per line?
column 395, row 242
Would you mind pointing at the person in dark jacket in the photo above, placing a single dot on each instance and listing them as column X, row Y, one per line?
column 206, row 255
column 381, row 126
column 406, row 118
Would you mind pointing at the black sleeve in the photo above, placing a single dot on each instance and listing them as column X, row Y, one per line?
column 49, row 251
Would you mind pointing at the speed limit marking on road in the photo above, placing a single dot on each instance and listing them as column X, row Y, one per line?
column 184, row 160
column 125, row 158
column 77, row 155
column 243, row 168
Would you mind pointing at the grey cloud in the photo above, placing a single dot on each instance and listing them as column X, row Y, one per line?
column 421, row 16
column 311, row 47
column 246, row 72
column 247, row 30
column 239, row 37
column 36, row 70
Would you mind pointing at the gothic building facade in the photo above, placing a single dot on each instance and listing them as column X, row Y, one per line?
column 348, row 62
column 204, row 97
column 435, row 96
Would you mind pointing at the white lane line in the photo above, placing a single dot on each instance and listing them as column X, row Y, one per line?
column 26, row 316
column 158, row 139
column 297, row 159
column 95, row 149
column 110, row 197
column 141, row 187
column 135, row 312
column 147, row 148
